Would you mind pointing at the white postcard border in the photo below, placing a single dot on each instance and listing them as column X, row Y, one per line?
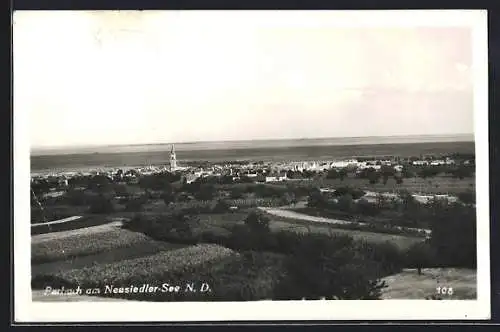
column 28, row 311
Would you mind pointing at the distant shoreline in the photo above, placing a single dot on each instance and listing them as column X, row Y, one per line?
column 276, row 154
column 249, row 144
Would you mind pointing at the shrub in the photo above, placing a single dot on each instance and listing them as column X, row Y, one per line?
column 367, row 208
column 257, row 222
column 330, row 274
column 221, row 207
column 101, row 205
column 454, row 235
column 467, row 197
column 136, row 204
column 419, row 256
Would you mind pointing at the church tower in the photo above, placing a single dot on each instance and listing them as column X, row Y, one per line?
column 173, row 160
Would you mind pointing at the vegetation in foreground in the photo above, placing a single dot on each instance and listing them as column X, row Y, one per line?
column 260, row 263
column 86, row 244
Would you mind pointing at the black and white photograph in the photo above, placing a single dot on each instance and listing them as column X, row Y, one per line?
column 250, row 165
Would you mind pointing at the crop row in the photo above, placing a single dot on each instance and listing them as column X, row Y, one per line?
column 84, row 244
column 168, row 265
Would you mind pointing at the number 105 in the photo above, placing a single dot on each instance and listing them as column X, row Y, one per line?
column 444, row 290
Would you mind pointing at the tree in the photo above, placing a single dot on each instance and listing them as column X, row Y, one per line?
column 332, row 174
column 316, row 199
column 286, row 198
column 467, row 197
column 453, row 235
column 381, row 201
column 121, row 190
column 205, row 193
column 462, row 172
column 367, row 208
column 257, row 222
column 342, row 174
column 346, row 203
column 429, row 172
column 101, row 205
column 373, row 177
column 407, row 200
column 168, row 197
column 221, row 207
column 77, row 197
column 40, row 187
column 237, row 193
column 408, row 173
column 387, row 171
column 136, row 204
column 419, row 256
column 330, row 269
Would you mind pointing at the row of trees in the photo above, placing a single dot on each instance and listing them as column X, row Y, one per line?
column 404, row 209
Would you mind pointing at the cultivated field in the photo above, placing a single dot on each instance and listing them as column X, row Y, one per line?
column 435, row 185
column 70, row 247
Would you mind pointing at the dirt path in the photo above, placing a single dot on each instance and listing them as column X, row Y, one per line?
column 81, row 231
column 284, row 213
column 60, row 221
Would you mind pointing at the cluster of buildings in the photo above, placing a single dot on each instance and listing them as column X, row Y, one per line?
column 257, row 171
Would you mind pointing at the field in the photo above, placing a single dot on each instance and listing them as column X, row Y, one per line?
column 84, row 222
column 286, row 224
column 409, row 285
column 436, row 185
column 325, row 152
column 79, row 245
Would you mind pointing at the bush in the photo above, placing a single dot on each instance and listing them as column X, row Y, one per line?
column 177, row 227
column 345, row 203
column 101, row 205
column 367, row 208
column 330, row 269
column 467, row 197
column 136, row 204
column 454, row 235
column 419, row 256
column 78, row 197
column 355, row 193
column 257, row 222
column 221, row 207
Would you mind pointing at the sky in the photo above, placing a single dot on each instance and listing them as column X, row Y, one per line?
column 101, row 78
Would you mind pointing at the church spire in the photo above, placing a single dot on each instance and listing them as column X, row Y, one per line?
column 173, row 159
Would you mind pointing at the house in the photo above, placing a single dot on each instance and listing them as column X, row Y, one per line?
column 398, row 168
column 438, row 162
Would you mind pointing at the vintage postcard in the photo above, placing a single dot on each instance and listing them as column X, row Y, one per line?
column 250, row 165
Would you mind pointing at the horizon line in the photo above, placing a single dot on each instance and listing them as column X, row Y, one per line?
column 34, row 148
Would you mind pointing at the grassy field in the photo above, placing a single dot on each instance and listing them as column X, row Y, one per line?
column 85, row 222
column 109, row 256
column 155, row 269
column 409, row 285
column 288, row 224
column 87, row 244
